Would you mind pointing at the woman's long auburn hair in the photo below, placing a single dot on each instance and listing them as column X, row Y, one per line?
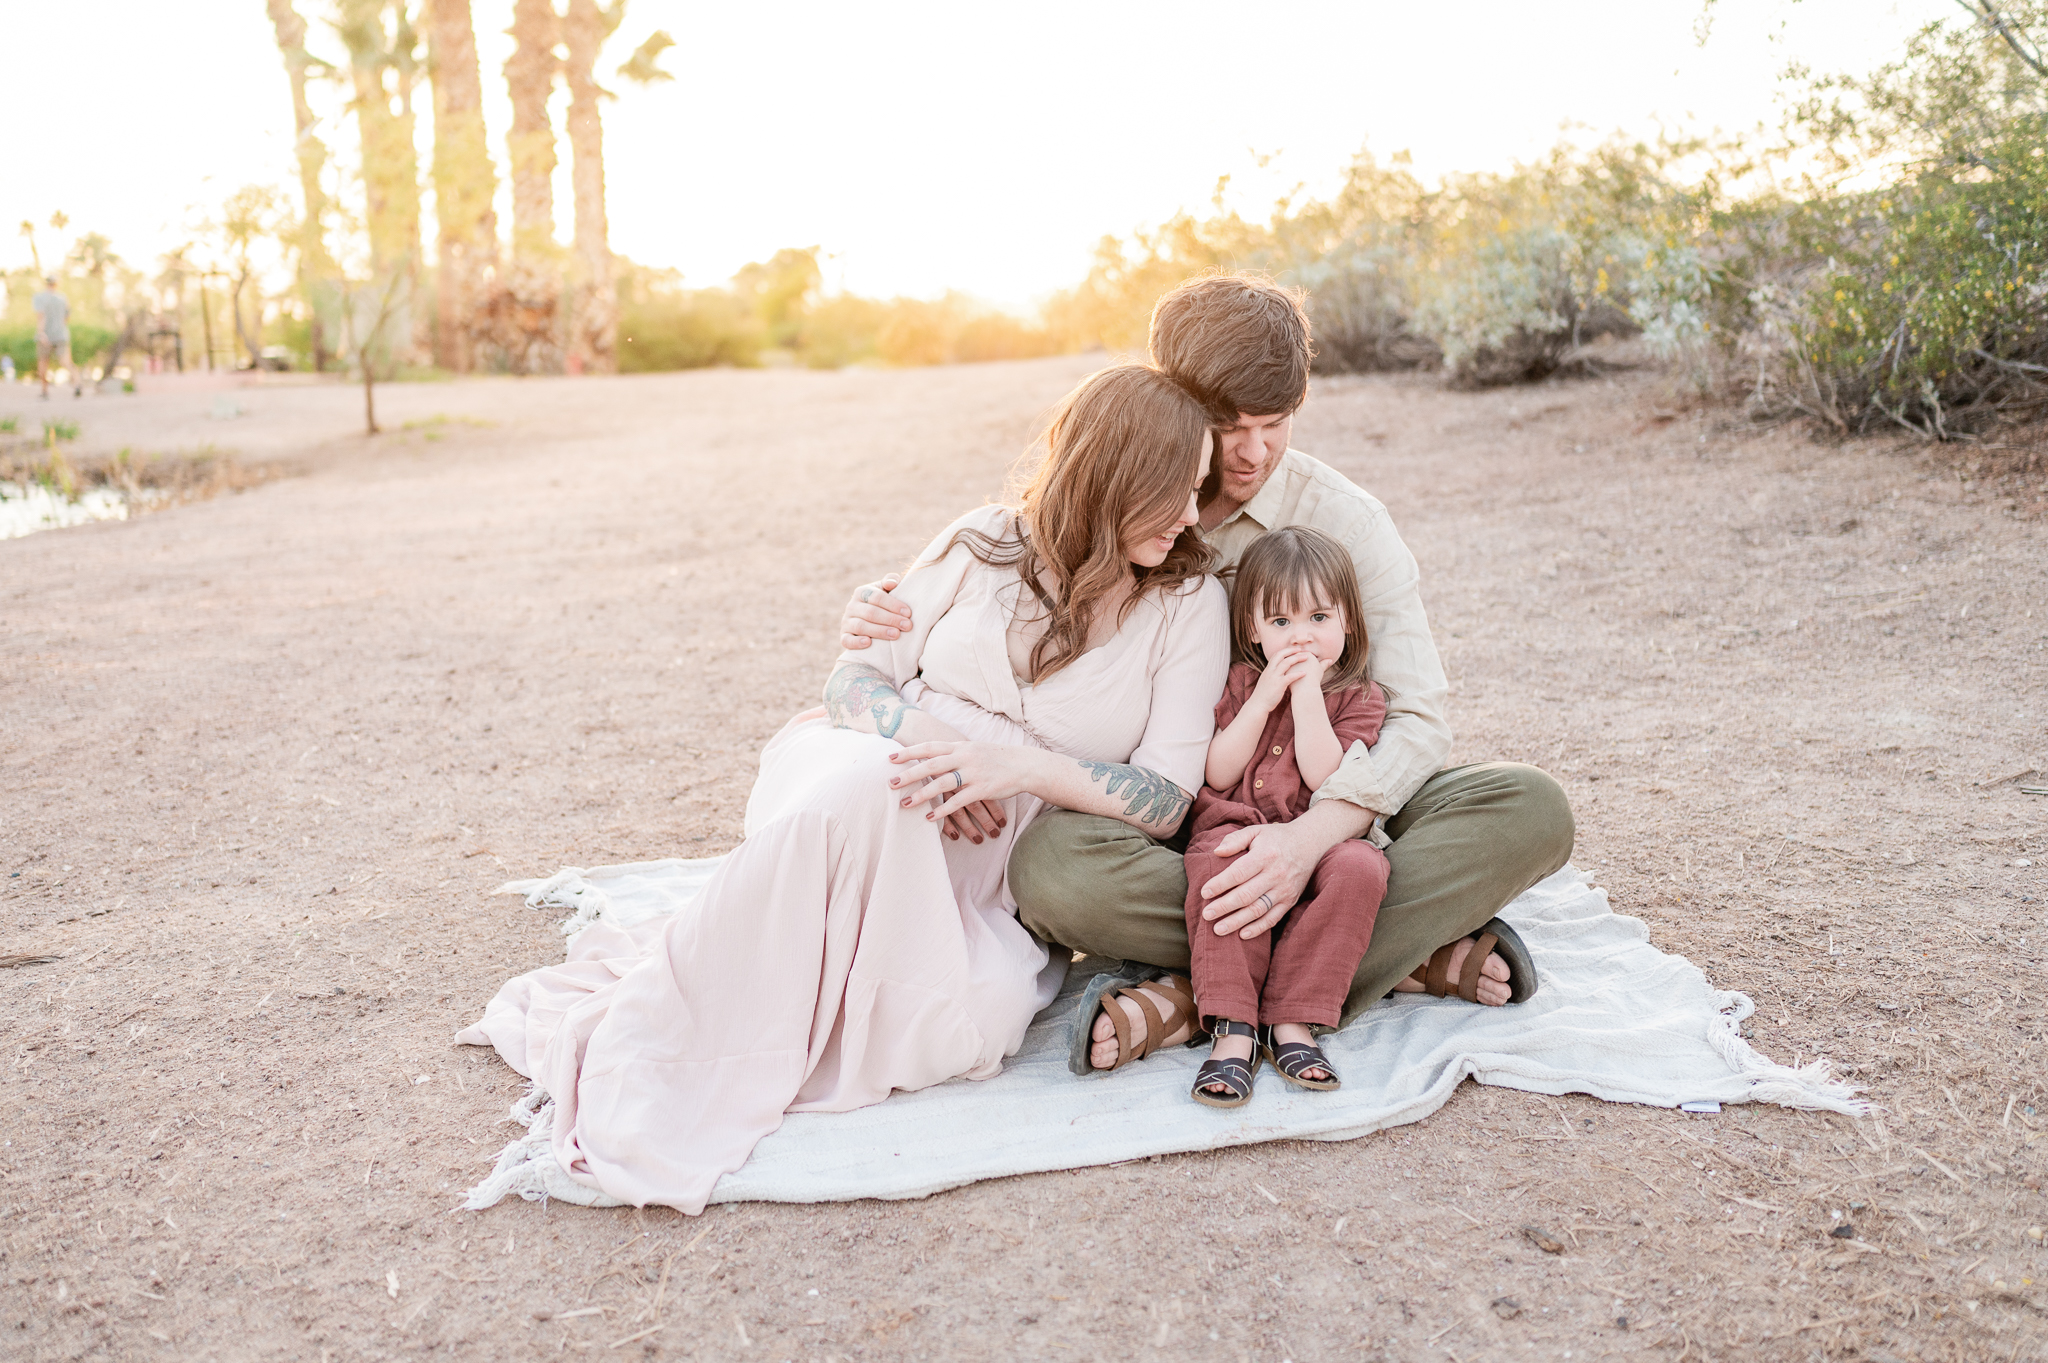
column 1122, row 452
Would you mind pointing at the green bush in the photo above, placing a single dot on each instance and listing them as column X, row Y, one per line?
column 1920, row 304
column 88, row 342
column 1499, row 277
column 686, row 329
column 840, row 330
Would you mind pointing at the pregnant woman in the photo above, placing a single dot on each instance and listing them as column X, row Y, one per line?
column 1069, row 651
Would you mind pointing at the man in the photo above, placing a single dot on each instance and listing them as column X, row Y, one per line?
column 53, row 336
column 1462, row 842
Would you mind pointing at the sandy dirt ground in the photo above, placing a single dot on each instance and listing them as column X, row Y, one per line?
column 264, row 757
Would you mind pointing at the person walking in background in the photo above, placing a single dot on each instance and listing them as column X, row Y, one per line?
column 53, row 337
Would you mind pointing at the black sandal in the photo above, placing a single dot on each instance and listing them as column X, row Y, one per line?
column 1235, row 1075
column 1295, row 1058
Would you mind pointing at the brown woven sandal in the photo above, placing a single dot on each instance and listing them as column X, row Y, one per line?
column 1494, row 938
column 1158, row 1026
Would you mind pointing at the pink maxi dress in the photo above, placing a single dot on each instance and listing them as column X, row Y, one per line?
column 845, row 948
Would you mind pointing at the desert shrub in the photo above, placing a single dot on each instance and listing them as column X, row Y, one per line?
column 1921, row 303
column 780, row 291
column 674, row 328
column 955, row 329
column 1111, row 307
column 1527, row 266
column 1000, row 336
column 840, row 329
column 1497, row 276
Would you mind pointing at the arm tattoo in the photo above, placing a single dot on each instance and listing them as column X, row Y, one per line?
column 1154, row 800
column 856, row 689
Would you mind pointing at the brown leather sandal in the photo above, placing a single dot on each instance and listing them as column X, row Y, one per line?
column 1494, row 938
column 1158, row 1026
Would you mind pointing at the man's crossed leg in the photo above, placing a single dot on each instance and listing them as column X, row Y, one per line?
column 1470, row 840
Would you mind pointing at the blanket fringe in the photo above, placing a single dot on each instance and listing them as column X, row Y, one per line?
column 528, row 1167
column 1812, row 1085
column 565, row 889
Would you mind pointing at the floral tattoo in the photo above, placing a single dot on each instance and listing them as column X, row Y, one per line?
column 857, row 689
column 1153, row 800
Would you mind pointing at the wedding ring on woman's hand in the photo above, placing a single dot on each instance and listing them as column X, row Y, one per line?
column 958, row 779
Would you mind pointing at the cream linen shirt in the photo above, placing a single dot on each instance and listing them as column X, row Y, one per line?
column 1401, row 656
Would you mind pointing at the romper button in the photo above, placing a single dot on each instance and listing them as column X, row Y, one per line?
column 1258, row 785
column 1276, row 752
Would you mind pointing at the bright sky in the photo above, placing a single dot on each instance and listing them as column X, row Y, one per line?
column 929, row 145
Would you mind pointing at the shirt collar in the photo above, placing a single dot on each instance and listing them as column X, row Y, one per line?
column 1264, row 507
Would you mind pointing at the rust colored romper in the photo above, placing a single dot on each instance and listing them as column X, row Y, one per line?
column 1301, row 970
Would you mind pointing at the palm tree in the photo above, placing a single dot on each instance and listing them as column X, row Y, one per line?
column 527, row 307
column 383, row 66
column 464, row 182
column 247, row 217
column 594, row 323
column 309, row 241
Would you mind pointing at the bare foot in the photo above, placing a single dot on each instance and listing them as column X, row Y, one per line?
column 1493, row 976
column 1102, row 1036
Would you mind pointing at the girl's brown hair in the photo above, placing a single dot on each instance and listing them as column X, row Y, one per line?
column 1289, row 570
column 1122, row 455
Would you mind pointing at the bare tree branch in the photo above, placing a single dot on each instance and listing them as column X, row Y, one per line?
column 1982, row 11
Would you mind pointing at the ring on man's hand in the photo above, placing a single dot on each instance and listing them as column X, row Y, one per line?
column 958, row 779
column 1267, row 900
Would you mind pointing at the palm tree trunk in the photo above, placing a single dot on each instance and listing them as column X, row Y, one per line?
column 391, row 188
column 235, row 302
column 464, row 182
column 315, row 266
column 595, row 320
column 531, row 301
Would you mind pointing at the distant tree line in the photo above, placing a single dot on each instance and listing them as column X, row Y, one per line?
column 522, row 304
column 1877, row 262
column 1881, row 262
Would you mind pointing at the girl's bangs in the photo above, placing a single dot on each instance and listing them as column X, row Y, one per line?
column 1296, row 595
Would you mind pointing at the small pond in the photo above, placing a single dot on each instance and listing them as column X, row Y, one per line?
column 28, row 507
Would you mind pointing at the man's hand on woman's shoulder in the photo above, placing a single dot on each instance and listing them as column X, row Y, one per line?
column 872, row 613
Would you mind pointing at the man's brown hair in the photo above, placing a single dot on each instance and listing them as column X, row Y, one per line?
column 1288, row 571
column 1239, row 342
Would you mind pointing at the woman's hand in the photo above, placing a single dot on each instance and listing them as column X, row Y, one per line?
column 951, row 777
column 976, row 822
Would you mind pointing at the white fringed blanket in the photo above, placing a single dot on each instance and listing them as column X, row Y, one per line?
column 1615, row 1018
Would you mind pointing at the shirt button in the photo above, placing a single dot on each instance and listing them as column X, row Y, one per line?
column 1258, row 785
column 1276, row 752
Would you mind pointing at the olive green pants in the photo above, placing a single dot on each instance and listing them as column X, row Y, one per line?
column 1468, row 842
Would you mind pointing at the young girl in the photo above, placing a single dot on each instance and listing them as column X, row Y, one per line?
column 1296, row 701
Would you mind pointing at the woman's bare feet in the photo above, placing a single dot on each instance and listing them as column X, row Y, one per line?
column 1493, row 976
column 1102, row 1036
